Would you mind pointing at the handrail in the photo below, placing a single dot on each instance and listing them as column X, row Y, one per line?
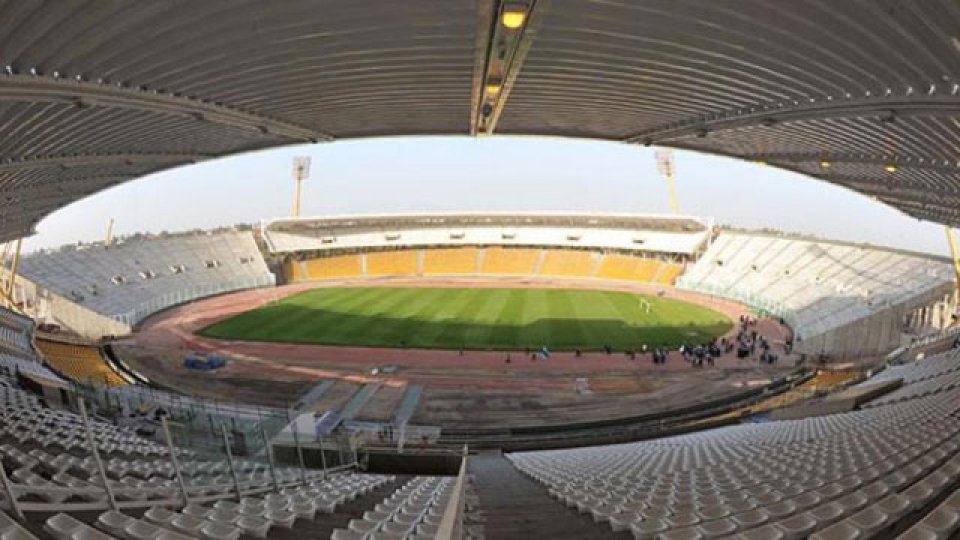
column 451, row 524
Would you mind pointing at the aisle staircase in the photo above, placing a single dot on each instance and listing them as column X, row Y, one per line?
column 515, row 507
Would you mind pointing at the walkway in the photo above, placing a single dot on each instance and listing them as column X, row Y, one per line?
column 516, row 507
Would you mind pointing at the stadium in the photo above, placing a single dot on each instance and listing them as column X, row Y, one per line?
column 481, row 372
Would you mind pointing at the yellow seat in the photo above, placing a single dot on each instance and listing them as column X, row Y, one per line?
column 392, row 263
column 669, row 273
column 508, row 261
column 567, row 263
column 450, row 261
column 618, row 267
column 336, row 267
column 81, row 363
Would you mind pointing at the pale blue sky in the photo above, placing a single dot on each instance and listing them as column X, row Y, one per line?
column 492, row 173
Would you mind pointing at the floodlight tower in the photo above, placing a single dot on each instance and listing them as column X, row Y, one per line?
column 665, row 166
column 301, row 170
column 956, row 260
column 108, row 237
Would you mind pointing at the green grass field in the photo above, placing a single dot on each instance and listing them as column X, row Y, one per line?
column 474, row 318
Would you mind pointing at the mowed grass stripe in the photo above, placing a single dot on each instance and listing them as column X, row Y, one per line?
column 451, row 318
column 447, row 309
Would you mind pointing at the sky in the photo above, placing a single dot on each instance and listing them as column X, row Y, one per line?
column 414, row 174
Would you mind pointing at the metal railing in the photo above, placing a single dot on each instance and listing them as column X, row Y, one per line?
column 451, row 525
column 103, row 490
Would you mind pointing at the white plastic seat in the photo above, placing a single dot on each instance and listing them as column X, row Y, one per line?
column 187, row 524
column 62, row 526
column 394, row 527
column 750, row 518
column 159, row 515
column 766, row 532
column 254, row 526
column 870, row 520
column 89, row 533
column 718, row 528
column 918, row 532
column 141, row 530
column 197, row 511
column 304, row 510
column 281, row 518
column 226, row 517
column 347, row 534
column 918, row 494
column 826, row 514
column 224, row 504
column 894, row 505
column 218, row 531
column 17, row 533
column 942, row 520
column 386, row 536
column 647, row 528
column 685, row 533
column 114, row 522
column 842, row 530
column 798, row 526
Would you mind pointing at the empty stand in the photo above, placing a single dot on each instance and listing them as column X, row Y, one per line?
column 618, row 267
column 136, row 277
column 412, row 512
column 821, row 287
column 335, row 267
column 851, row 475
column 568, row 263
column 669, row 272
column 392, row 263
column 514, row 506
column 647, row 270
column 448, row 261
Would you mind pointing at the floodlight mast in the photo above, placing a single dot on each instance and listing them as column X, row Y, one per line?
column 108, row 237
column 301, row 171
column 956, row 259
column 665, row 166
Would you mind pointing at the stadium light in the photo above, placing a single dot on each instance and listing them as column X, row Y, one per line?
column 514, row 15
column 665, row 167
column 301, row 170
column 494, row 85
column 665, row 162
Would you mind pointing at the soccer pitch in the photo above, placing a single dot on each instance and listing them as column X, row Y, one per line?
column 475, row 318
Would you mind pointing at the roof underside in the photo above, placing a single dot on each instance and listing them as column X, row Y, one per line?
column 679, row 224
column 859, row 93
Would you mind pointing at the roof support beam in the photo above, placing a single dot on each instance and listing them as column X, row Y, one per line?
column 879, row 189
column 67, row 161
column 816, row 157
column 40, row 88
column 506, row 49
column 486, row 23
column 884, row 108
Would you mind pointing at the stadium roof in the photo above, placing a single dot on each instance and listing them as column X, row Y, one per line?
column 863, row 94
column 649, row 222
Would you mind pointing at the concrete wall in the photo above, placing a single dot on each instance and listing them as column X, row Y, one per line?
column 876, row 334
column 48, row 307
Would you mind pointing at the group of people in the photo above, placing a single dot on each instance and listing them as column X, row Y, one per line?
column 697, row 355
column 749, row 342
